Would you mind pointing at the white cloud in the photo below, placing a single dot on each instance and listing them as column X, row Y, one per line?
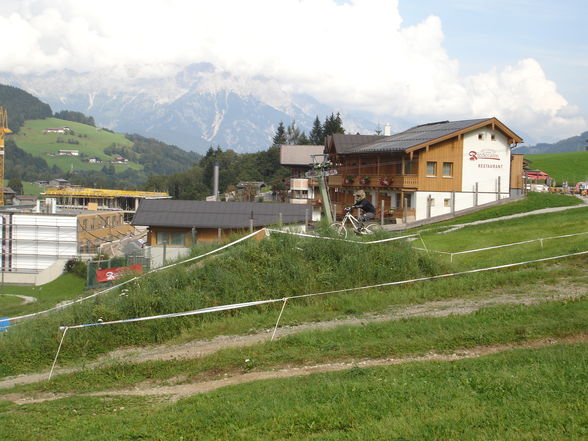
column 355, row 55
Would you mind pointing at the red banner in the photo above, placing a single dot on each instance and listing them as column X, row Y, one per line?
column 108, row 274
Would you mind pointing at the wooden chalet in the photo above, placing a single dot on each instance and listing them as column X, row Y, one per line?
column 428, row 170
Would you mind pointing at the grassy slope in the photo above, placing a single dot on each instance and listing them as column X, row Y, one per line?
column 264, row 270
column 66, row 287
column 522, row 394
column 28, row 188
column 571, row 167
column 92, row 142
column 533, row 201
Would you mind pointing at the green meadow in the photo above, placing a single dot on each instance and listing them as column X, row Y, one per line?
column 532, row 388
column 90, row 141
column 571, row 166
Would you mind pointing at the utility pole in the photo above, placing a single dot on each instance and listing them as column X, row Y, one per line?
column 321, row 168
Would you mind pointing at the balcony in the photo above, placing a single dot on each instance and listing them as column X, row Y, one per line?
column 299, row 184
column 375, row 181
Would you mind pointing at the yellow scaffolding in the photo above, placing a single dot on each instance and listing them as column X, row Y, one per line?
column 4, row 130
column 101, row 193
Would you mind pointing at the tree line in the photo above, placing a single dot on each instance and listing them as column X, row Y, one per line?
column 234, row 168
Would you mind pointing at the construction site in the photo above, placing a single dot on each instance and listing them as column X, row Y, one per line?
column 64, row 223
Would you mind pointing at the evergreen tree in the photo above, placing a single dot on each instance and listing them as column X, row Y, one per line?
column 280, row 136
column 16, row 185
column 333, row 124
column 303, row 139
column 317, row 135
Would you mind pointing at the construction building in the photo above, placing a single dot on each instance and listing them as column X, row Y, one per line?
column 36, row 245
column 100, row 199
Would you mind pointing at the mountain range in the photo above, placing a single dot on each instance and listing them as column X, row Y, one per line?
column 199, row 106
column 574, row 144
column 196, row 108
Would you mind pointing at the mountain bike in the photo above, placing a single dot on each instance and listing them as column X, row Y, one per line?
column 358, row 227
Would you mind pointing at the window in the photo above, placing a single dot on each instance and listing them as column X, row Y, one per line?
column 493, row 137
column 177, row 238
column 447, row 169
column 480, row 136
column 162, row 237
column 170, row 238
column 446, row 202
column 431, row 169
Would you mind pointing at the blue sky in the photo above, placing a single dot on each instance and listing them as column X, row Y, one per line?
column 483, row 35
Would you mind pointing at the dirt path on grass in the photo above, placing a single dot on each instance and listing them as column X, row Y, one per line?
column 200, row 348
column 174, row 392
column 25, row 299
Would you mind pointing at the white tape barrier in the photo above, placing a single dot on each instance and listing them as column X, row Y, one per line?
column 216, row 250
column 500, row 246
column 269, row 230
column 284, row 299
column 73, row 302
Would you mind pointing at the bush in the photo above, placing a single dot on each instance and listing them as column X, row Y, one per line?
column 77, row 267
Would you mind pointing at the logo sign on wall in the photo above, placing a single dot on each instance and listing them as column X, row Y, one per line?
column 109, row 274
column 485, row 155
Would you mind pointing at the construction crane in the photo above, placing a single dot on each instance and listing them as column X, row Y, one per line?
column 4, row 130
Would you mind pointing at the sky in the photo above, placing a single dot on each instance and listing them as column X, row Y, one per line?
column 523, row 61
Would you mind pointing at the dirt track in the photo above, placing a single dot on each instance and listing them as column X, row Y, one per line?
column 199, row 348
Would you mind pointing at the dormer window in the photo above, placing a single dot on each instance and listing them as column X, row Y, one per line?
column 480, row 137
column 493, row 137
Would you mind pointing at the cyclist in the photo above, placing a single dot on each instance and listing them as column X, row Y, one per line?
column 368, row 211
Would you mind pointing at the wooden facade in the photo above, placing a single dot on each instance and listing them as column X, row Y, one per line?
column 391, row 174
column 186, row 237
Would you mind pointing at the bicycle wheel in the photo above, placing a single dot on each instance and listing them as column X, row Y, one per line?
column 372, row 228
column 340, row 229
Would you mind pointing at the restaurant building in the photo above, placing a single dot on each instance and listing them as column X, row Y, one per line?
column 429, row 170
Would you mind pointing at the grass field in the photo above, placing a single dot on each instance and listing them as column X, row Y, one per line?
column 533, row 201
column 571, row 167
column 91, row 142
column 532, row 389
column 66, row 287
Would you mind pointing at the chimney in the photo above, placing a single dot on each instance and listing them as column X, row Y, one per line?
column 387, row 130
column 215, row 182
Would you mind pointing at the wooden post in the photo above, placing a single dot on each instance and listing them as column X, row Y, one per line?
column 280, row 219
column 429, row 202
column 476, row 195
column 498, row 189
column 453, row 202
column 306, row 220
column 404, row 214
column 382, row 212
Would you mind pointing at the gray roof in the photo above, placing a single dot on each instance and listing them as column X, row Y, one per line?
column 407, row 139
column 349, row 143
column 204, row 214
column 299, row 154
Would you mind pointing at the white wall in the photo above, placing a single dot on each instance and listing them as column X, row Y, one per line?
column 485, row 160
column 462, row 201
column 36, row 242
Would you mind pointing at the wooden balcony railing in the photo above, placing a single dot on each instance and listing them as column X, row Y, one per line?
column 375, row 181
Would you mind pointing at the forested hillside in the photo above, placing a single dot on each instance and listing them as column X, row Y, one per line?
column 21, row 106
column 573, row 144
